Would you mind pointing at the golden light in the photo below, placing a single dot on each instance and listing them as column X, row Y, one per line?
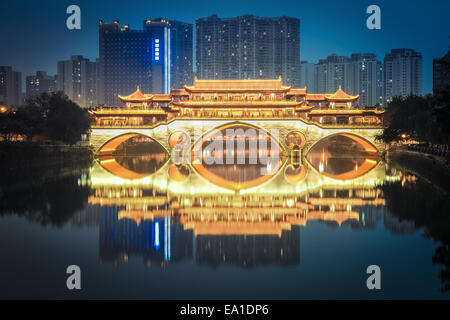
column 3, row 109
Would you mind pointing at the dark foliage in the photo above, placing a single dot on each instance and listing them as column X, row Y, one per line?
column 54, row 116
column 425, row 119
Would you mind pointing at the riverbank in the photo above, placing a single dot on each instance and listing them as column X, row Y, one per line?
column 31, row 153
column 36, row 163
column 429, row 167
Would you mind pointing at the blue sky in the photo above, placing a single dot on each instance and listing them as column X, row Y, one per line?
column 33, row 34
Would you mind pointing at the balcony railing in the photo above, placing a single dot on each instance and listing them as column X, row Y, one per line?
column 362, row 125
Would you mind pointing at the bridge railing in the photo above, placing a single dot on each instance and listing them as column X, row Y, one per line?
column 284, row 118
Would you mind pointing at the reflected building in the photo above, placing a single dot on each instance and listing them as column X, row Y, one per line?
column 157, row 240
column 257, row 231
column 249, row 251
column 397, row 226
column 232, row 214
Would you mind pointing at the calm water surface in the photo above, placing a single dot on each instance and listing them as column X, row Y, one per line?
column 141, row 227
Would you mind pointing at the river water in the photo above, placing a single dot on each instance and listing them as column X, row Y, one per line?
column 139, row 226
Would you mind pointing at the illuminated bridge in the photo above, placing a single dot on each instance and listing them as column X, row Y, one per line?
column 296, row 119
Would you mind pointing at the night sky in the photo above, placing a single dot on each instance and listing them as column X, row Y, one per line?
column 33, row 34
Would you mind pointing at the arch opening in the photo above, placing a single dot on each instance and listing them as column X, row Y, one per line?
column 132, row 156
column 237, row 156
column 343, row 156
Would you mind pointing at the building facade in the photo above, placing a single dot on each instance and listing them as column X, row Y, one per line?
column 77, row 78
column 238, row 99
column 39, row 83
column 248, row 47
column 308, row 76
column 10, row 86
column 402, row 74
column 156, row 58
column 365, row 78
column 182, row 63
column 441, row 72
column 332, row 72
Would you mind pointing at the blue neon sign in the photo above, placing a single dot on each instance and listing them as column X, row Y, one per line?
column 156, row 49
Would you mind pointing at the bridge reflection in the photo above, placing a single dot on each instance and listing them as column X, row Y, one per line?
column 245, row 231
column 169, row 213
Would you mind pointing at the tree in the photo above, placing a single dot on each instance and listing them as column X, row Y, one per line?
column 442, row 112
column 6, row 125
column 28, row 121
column 412, row 116
column 65, row 120
column 54, row 116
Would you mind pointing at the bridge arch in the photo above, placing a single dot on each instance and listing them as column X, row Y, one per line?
column 368, row 145
column 360, row 165
column 209, row 132
column 239, row 183
column 107, row 148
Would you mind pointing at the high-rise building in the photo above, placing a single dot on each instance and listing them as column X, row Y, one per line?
column 402, row 73
column 39, row 83
column 156, row 58
column 365, row 79
column 248, row 47
column 380, row 84
column 332, row 72
column 77, row 77
column 441, row 72
column 10, row 86
column 308, row 76
column 182, row 63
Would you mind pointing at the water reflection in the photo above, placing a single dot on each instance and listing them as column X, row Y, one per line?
column 343, row 157
column 244, row 229
column 164, row 214
column 237, row 156
column 135, row 158
column 244, row 216
column 49, row 194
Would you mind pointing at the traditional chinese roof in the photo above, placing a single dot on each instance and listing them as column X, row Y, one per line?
column 340, row 95
column 161, row 98
column 297, row 91
column 136, row 96
column 315, row 97
column 179, row 92
column 237, row 85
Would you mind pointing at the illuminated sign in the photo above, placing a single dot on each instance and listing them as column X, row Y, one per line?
column 156, row 51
